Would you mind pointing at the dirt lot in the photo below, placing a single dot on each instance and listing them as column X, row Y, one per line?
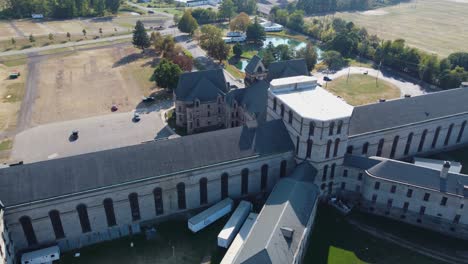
column 11, row 93
column 88, row 83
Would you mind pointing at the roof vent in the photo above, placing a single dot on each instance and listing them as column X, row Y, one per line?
column 445, row 170
column 381, row 100
column 407, row 95
column 287, row 232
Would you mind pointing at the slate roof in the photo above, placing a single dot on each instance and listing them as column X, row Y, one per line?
column 204, row 85
column 419, row 176
column 250, row 68
column 47, row 179
column 290, row 204
column 253, row 98
column 405, row 111
column 360, row 162
column 290, row 68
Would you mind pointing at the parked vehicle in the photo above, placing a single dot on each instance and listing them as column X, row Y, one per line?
column 147, row 99
column 327, row 79
column 136, row 117
column 210, row 215
column 340, row 205
column 45, row 255
column 114, row 108
column 15, row 74
column 236, row 245
column 234, row 223
column 74, row 135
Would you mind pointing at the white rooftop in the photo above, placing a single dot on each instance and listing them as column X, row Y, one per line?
column 305, row 97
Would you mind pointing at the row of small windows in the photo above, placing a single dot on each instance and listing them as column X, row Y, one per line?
column 335, row 149
column 409, row 140
column 108, row 204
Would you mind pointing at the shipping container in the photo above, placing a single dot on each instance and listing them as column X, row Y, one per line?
column 238, row 241
column 210, row 215
column 231, row 228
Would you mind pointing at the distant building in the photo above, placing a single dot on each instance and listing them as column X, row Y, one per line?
column 255, row 70
column 37, row 16
column 269, row 26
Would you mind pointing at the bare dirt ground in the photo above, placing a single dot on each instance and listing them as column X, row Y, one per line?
column 11, row 94
column 84, row 84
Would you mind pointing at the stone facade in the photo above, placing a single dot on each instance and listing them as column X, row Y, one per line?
column 200, row 116
column 7, row 249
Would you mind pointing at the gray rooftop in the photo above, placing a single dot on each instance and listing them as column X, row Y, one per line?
column 405, row 111
column 201, row 85
column 290, row 68
column 290, row 205
column 360, row 162
column 250, row 68
column 52, row 178
column 419, row 176
column 253, row 98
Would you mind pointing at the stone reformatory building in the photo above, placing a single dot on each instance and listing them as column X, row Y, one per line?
column 290, row 137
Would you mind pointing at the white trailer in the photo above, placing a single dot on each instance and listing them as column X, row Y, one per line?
column 232, row 226
column 41, row 256
column 210, row 215
column 239, row 240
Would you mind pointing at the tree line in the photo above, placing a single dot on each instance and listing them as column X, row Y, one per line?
column 60, row 8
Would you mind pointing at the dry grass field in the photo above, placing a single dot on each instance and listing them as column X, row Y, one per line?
column 11, row 94
column 88, row 83
column 436, row 26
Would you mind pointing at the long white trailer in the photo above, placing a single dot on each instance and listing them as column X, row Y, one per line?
column 41, row 256
column 210, row 215
column 234, row 223
column 236, row 245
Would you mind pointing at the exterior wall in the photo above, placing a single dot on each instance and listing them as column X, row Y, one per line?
column 373, row 138
column 299, row 257
column 6, row 246
column 260, row 73
column 235, row 115
column 437, row 217
column 205, row 116
column 74, row 238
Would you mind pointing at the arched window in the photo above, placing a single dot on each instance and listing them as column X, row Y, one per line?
column 283, row 165
column 181, row 196
column 264, row 178
column 134, row 206
column 245, row 181
column 349, row 149
column 203, row 191
column 423, row 138
column 436, row 137
column 84, row 219
column 394, row 146
column 340, row 125
column 224, row 185
column 158, row 200
column 311, row 128
column 54, row 216
column 28, row 230
column 310, row 143
column 274, row 104
column 290, row 117
column 337, row 146
column 330, row 129
column 297, row 145
column 449, row 133
column 329, row 143
column 282, row 110
column 325, row 171
column 365, row 148
column 408, row 143
column 380, row 147
column 109, row 209
column 460, row 134
column 332, row 171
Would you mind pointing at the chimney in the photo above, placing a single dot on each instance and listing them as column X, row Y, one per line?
column 287, row 232
column 445, row 170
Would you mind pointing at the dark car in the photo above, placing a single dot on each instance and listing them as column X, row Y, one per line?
column 150, row 12
column 136, row 117
column 74, row 135
column 147, row 99
column 327, row 79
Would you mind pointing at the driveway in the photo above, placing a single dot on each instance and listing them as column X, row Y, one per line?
column 405, row 87
column 98, row 133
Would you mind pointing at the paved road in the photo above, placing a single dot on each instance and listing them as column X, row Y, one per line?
column 405, row 87
column 98, row 133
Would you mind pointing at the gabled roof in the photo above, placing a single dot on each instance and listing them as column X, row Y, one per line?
column 290, row 204
column 290, row 68
column 423, row 177
column 203, row 85
column 406, row 111
column 250, row 68
column 253, row 98
column 52, row 178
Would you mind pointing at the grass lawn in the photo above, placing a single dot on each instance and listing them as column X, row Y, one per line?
column 14, row 92
column 12, row 61
column 361, row 89
column 335, row 241
column 6, row 144
column 232, row 69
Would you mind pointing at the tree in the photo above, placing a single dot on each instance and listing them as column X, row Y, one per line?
column 168, row 46
column 100, row 7
column 459, row 59
column 31, row 38
column 296, row 21
column 68, row 36
column 187, row 23
column 113, row 5
column 284, row 52
column 13, row 42
column 51, row 37
column 452, row 78
column 309, row 54
column 219, row 50
column 227, row 9
column 333, row 59
column 429, row 68
column 84, row 32
column 166, row 74
column 209, row 35
column 156, row 40
column 140, row 37
column 100, row 31
column 268, row 58
column 281, row 17
column 240, row 22
column 247, row 6
column 256, row 33
column 184, row 62
column 176, row 19
column 237, row 50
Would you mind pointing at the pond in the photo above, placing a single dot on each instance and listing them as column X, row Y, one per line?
column 293, row 43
